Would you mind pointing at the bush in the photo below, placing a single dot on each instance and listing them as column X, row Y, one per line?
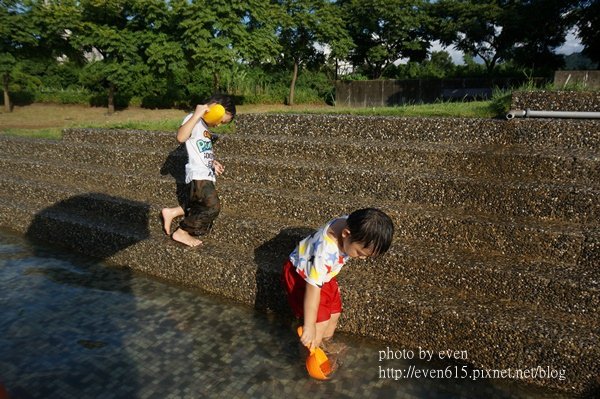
column 307, row 95
column 354, row 76
column 155, row 102
column 500, row 102
column 122, row 101
column 276, row 95
column 20, row 97
column 63, row 96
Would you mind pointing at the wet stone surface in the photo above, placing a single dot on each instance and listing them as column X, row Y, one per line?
column 72, row 327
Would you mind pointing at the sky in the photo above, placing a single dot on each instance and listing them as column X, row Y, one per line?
column 572, row 45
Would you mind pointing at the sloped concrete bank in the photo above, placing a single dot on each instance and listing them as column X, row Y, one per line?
column 497, row 247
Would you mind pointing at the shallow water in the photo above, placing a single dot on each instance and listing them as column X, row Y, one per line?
column 72, row 327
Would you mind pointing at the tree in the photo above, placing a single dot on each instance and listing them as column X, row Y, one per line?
column 17, row 41
column 500, row 30
column 474, row 27
column 105, row 30
column 439, row 66
column 54, row 22
column 536, row 29
column 220, row 33
column 155, row 22
column 588, row 23
column 309, row 28
column 385, row 31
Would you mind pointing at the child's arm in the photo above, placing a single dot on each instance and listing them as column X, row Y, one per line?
column 312, row 298
column 185, row 130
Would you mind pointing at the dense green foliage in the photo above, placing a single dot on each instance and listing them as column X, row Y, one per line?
column 524, row 32
column 158, row 53
column 588, row 22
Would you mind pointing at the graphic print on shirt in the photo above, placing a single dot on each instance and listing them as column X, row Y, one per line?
column 206, row 153
column 204, row 146
column 317, row 258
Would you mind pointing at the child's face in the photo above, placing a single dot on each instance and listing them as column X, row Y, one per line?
column 225, row 119
column 355, row 249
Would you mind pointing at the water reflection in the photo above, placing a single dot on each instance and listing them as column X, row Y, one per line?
column 72, row 327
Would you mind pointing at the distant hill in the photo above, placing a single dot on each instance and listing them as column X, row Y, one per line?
column 577, row 61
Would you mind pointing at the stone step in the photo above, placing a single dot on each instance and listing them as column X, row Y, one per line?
column 536, row 133
column 95, row 178
column 127, row 159
column 101, row 207
column 544, row 201
column 543, row 284
column 123, row 138
column 494, row 163
column 514, row 334
column 495, row 334
column 446, row 227
column 556, row 133
column 497, row 164
column 392, row 266
column 553, row 285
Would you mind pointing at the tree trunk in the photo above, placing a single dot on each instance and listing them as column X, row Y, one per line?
column 337, row 66
column 7, row 105
column 215, row 82
column 293, row 84
column 111, row 98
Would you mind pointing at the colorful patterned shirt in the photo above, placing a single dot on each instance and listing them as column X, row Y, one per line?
column 317, row 258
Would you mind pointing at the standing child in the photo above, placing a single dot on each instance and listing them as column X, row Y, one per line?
column 203, row 204
column 309, row 274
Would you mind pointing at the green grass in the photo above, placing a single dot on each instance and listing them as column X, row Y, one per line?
column 474, row 109
column 51, row 133
column 162, row 125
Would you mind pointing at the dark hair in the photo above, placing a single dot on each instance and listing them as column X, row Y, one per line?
column 371, row 226
column 225, row 100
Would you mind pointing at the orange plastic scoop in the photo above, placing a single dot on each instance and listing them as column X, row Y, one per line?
column 317, row 364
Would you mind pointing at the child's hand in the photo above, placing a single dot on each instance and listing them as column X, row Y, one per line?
column 219, row 168
column 200, row 110
column 309, row 335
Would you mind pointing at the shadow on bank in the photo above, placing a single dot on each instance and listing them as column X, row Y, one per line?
column 270, row 257
column 174, row 166
column 71, row 341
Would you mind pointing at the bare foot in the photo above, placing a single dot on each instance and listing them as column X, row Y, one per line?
column 167, row 217
column 184, row 237
column 334, row 347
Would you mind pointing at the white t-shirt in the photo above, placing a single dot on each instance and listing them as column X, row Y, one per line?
column 200, row 153
column 318, row 258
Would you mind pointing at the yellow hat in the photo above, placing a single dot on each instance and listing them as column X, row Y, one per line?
column 214, row 114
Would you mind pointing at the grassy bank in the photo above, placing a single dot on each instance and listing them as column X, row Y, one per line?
column 48, row 120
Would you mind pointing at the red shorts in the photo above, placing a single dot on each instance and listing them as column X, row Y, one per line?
column 295, row 287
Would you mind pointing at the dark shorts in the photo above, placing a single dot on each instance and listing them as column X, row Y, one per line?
column 295, row 287
column 201, row 209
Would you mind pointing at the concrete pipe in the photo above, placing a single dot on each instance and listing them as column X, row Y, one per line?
column 551, row 114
